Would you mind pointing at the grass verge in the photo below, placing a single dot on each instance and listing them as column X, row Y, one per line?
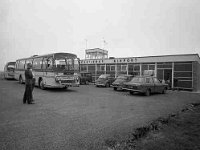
column 180, row 131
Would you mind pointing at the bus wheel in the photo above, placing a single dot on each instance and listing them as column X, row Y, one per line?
column 20, row 80
column 42, row 84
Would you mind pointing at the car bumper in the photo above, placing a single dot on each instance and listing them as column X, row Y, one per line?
column 100, row 84
column 116, row 86
column 68, row 84
column 134, row 90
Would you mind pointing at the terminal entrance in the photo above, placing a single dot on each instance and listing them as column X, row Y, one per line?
column 166, row 75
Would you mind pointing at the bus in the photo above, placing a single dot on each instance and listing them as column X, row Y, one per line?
column 56, row 70
column 9, row 69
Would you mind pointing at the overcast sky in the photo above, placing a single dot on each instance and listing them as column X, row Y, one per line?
column 129, row 27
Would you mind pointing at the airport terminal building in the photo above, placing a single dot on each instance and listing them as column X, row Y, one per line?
column 183, row 71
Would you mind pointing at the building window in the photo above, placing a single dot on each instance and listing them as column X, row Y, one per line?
column 112, row 68
column 118, row 68
column 183, row 75
column 136, row 68
column 91, row 68
column 151, row 67
column 83, row 67
column 102, row 68
column 124, row 67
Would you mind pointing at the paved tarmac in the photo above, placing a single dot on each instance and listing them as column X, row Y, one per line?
column 80, row 118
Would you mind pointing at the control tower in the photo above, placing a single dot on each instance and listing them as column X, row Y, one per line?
column 96, row 53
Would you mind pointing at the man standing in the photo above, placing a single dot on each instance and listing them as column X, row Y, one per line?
column 28, row 97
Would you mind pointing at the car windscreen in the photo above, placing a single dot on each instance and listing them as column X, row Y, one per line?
column 103, row 76
column 121, row 78
column 138, row 80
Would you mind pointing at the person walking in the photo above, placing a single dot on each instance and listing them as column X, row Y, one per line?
column 28, row 97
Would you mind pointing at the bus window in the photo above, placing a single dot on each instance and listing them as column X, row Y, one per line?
column 16, row 65
column 21, row 64
column 28, row 61
column 70, row 64
column 60, row 64
column 49, row 63
column 37, row 63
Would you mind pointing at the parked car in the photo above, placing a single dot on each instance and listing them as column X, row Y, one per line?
column 146, row 85
column 104, row 80
column 85, row 77
column 120, row 80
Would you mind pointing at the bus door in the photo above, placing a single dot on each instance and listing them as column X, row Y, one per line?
column 49, row 65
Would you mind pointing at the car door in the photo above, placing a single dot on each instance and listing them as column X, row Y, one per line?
column 150, row 84
column 158, row 85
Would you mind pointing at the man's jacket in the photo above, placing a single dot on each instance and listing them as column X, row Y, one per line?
column 28, row 77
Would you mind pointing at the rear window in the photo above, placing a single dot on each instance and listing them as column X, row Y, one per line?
column 138, row 80
column 122, row 77
column 103, row 76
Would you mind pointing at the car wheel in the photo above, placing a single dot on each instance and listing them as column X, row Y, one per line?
column 65, row 87
column 131, row 92
column 4, row 76
column 107, row 85
column 20, row 80
column 148, row 92
column 164, row 91
column 115, row 88
column 42, row 84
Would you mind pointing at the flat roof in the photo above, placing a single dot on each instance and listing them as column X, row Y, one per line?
column 145, row 59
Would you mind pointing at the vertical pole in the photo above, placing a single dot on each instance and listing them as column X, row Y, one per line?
column 155, row 70
column 105, row 69
column 115, row 70
column 85, row 48
column 140, row 69
column 192, row 75
column 127, row 69
column 172, row 75
column 95, row 72
column 87, row 67
column 85, row 43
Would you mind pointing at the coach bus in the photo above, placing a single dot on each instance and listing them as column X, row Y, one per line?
column 57, row 70
column 9, row 69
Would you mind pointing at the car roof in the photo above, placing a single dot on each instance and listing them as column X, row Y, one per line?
column 84, row 72
column 105, row 74
column 143, row 76
column 125, row 75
